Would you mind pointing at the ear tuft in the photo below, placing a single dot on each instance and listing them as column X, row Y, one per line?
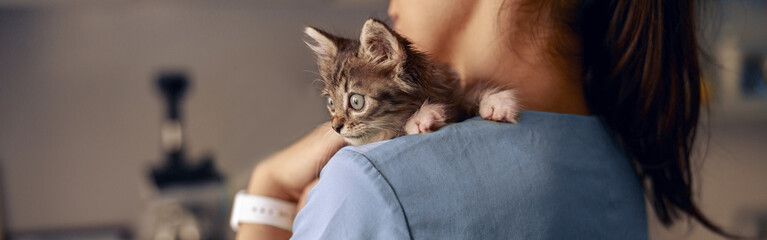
column 380, row 43
column 321, row 44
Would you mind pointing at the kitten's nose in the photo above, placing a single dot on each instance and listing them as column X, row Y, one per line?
column 337, row 127
column 337, row 123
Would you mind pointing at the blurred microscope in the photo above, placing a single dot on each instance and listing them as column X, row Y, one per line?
column 187, row 200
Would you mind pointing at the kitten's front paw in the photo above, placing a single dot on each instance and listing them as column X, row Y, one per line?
column 428, row 118
column 499, row 106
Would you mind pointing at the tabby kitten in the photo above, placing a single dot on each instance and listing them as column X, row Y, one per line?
column 379, row 87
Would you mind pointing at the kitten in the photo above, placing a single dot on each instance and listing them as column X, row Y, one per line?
column 379, row 87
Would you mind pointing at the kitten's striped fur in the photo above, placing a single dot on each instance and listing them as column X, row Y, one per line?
column 394, row 81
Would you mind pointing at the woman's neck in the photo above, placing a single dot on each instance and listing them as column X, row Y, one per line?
column 483, row 53
column 539, row 88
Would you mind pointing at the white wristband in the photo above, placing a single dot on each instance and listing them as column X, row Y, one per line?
column 262, row 210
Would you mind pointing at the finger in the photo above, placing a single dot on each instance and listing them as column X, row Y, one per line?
column 486, row 111
column 411, row 127
column 302, row 198
column 425, row 125
column 498, row 114
column 294, row 167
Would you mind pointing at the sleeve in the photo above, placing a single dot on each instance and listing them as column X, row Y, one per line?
column 351, row 201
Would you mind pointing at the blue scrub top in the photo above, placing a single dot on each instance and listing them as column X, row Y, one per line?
column 552, row 176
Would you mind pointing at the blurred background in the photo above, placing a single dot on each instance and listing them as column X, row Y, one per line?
column 81, row 111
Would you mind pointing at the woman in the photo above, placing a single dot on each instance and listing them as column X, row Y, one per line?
column 611, row 89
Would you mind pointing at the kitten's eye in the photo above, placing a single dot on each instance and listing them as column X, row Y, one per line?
column 357, row 101
column 330, row 104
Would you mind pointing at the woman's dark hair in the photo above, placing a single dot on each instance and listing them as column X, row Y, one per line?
column 640, row 74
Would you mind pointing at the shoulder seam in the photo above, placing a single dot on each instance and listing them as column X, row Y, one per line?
column 407, row 223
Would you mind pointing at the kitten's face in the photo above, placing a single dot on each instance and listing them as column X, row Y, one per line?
column 365, row 96
column 363, row 106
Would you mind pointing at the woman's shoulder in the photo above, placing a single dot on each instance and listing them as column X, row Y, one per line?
column 541, row 144
column 551, row 171
column 539, row 135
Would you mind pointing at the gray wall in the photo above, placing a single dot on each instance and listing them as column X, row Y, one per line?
column 730, row 181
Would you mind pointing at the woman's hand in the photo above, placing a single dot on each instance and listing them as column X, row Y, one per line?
column 286, row 174
column 289, row 174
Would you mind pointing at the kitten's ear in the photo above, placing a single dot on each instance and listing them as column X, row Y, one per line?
column 323, row 44
column 381, row 43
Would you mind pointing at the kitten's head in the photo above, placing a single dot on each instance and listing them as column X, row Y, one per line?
column 369, row 89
